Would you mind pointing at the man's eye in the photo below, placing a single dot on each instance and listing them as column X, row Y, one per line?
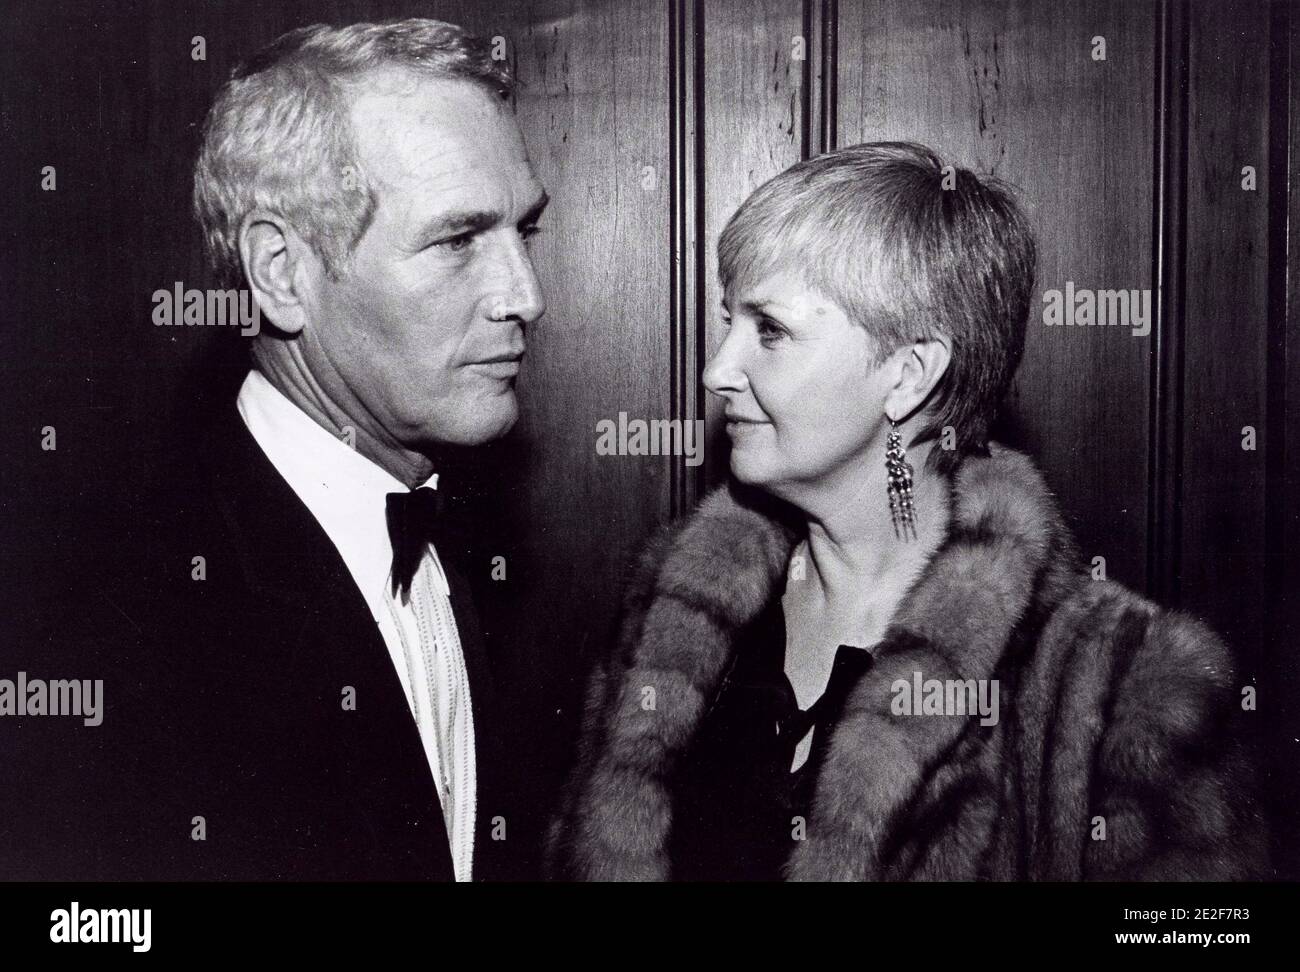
column 456, row 244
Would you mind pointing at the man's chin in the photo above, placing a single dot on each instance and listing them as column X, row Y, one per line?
column 490, row 420
column 505, row 409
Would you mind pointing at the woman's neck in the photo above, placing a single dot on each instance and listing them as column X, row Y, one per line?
column 855, row 570
column 852, row 545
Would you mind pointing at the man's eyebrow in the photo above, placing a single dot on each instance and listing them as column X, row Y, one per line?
column 535, row 210
column 458, row 222
column 474, row 221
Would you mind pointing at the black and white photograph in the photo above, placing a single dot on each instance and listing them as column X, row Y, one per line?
column 709, row 442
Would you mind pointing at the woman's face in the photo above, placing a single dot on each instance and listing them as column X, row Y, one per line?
column 803, row 400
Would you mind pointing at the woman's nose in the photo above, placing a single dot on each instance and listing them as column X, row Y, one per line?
column 724, row 372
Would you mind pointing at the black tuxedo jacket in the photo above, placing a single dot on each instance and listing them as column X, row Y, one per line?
column 226, row 750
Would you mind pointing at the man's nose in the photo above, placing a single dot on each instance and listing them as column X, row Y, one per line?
column 521, row 296
column 724, row 373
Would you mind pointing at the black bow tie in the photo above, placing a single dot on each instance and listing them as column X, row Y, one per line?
column 415, row 519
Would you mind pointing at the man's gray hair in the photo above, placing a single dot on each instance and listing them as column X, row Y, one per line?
column 279, row 135
column 908, row 247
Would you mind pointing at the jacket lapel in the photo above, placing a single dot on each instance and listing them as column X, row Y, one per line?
column 290, row 564
column 489, row 758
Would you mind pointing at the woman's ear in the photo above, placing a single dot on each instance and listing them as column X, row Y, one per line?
column 922, row 364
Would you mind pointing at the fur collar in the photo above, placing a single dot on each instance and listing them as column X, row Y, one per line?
column 1007, row 554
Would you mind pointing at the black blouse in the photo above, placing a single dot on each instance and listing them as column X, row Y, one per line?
column 735, row 800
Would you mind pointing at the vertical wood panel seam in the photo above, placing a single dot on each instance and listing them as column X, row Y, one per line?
column 1277, row 662
column 1165, row 423
column 820, row 96
column 1275, row 403
column 686, row 232
column 829, row 139
column 1283, row 673
column 810, row 76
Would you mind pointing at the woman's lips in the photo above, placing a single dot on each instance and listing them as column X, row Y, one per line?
column 742, row 426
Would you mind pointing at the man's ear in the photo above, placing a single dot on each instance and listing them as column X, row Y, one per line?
column 920, row 367
column 278, row 265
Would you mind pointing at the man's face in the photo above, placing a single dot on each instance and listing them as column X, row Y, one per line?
column 424, row 332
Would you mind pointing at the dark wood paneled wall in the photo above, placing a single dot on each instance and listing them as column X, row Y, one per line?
column 1281, row 670
column 1225, row 321
column 594, row 113
column 649, row 122
column 1011, row 90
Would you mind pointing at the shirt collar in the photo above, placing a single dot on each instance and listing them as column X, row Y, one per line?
column 345, row 491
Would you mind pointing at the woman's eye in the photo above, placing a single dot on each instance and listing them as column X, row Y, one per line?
column 769, row 331
column 528, row 232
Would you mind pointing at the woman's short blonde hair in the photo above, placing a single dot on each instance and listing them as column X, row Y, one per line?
column 908, row 247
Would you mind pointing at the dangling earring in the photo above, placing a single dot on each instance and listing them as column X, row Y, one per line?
column 900, row 484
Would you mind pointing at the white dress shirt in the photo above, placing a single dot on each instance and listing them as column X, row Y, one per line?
column 347, row 494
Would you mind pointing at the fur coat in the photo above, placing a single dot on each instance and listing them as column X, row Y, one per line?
column 1116, row 756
